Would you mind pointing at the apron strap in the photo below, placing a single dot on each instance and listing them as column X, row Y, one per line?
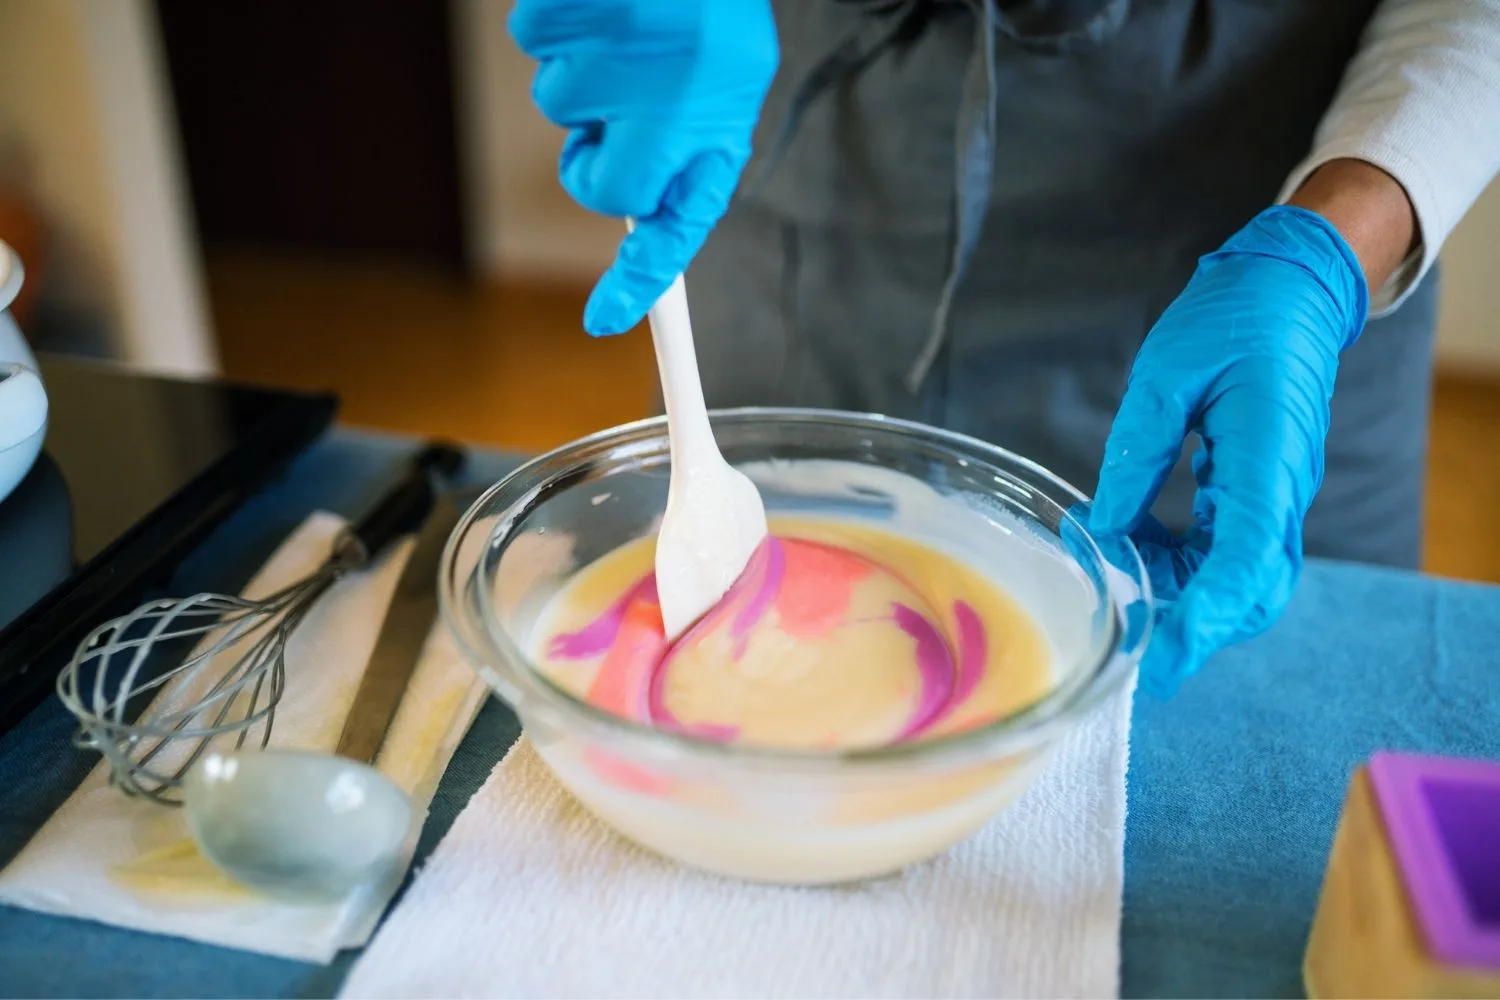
column 859, row 46
column 974, row 152
column 1050, row 26
column 974, row 167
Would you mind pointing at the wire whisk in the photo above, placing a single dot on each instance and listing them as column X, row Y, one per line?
column 229, row 685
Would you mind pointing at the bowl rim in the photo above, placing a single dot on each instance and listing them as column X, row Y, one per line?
column 1015, row 732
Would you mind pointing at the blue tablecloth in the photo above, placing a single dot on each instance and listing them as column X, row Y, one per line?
column 1234, row 785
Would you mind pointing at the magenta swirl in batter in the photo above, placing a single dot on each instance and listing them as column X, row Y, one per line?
column 855, row 638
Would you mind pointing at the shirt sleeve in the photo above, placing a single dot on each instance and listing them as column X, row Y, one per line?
column 1421, row 101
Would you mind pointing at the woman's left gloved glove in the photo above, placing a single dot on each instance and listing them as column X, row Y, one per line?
column 659, row 98
column 1245, row 357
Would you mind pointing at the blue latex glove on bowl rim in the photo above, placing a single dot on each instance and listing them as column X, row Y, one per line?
column 659, row 98
column 1245, row 357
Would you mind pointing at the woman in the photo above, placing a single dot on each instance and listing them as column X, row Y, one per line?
column 994, row 215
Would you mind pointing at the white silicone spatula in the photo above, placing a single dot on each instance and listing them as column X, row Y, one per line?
column 715, row 517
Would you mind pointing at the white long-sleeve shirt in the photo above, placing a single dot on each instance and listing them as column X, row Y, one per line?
column 1421, row 101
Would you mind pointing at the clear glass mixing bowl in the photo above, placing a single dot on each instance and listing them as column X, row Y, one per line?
column 784, row 815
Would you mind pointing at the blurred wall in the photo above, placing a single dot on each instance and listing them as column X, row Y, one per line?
column 50, row 143
column 85, row 110
column 526, row 227
column 1469, row 329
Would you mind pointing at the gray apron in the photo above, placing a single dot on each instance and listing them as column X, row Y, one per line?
column 970, row 212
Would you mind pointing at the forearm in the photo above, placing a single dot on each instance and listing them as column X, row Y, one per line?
column 1420, row 107
column 1369, row 208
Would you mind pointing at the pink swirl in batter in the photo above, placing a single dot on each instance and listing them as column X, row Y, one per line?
column 809, row 586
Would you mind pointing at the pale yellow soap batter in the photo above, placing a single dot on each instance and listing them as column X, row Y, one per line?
column 837, row 635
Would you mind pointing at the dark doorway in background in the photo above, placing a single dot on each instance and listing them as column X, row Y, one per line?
column 326, row 127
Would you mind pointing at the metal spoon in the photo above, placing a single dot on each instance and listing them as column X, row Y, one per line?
column 305, row 827
column 314, row 827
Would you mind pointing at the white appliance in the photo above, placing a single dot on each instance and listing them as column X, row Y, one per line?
column 23, row 397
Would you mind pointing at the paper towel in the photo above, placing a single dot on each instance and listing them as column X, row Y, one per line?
column 130, row 862
column 530, row 896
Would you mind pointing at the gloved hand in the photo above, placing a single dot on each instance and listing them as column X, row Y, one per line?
column 1245, row 357
column 659, row 98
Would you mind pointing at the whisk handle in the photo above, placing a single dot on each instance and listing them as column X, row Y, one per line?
column 403, row 508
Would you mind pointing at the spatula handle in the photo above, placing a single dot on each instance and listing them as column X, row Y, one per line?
column 692, row 438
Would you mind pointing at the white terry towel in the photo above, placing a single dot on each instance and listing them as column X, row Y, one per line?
column 130, row 863
column 530, row 896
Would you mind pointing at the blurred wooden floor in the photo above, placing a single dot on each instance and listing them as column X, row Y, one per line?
column 510, row 366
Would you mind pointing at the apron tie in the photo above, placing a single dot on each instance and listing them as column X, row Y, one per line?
column 974, row 166
column 1046, row 26
column 859, row 46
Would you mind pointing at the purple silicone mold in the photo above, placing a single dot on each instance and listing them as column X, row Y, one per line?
column 1442, row 816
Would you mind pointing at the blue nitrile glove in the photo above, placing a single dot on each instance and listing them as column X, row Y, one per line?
column 1245, row 357
column 659, row 98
